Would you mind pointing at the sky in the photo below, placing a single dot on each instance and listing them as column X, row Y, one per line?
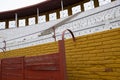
column 6, row 5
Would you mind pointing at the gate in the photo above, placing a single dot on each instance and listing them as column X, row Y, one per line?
column 12, row 68
column 45, row 67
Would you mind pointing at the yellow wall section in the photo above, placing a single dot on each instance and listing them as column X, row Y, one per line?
column 94, row 57
column 32, row 51
column 91, row 57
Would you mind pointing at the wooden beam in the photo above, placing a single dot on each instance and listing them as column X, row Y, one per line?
column 96, row 3
column 6, row 24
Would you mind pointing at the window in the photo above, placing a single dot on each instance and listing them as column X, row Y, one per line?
column 2, row 25
column 63, row 13
column 89, row 5
column 103, row 2
column 21, row 22
column 76, row 9
column 12, row 24
column 52, row 16
column 32, row 21
column 42, row 19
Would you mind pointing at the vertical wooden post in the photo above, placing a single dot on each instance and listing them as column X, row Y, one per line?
column 82, row 7
column 62, row 5
column 37, row 17
column 36, row 20
column 6, row 24
column 96, row 3
column 26, row 21
column 54, row 33
column 62, row 55
column 58, row 14
column 69, row 11
column 47, row 17
column 16, row 19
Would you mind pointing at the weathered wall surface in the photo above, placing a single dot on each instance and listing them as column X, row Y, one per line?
column 32, row 51
column 94, row 57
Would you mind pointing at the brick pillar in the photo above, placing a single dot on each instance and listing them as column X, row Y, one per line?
column 17, row 23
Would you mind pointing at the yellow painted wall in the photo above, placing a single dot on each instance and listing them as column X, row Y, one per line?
column 32, row 51
column 94, row 57
column 91, row 57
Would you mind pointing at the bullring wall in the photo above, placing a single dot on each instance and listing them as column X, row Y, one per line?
column 92, row 57
column 32, row 51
